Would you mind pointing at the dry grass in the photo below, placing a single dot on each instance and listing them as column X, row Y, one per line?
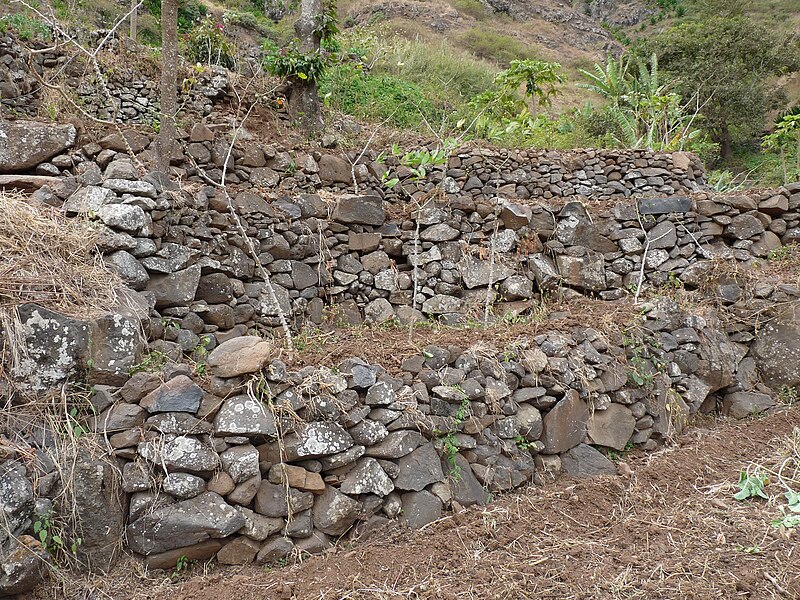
column 49, row 260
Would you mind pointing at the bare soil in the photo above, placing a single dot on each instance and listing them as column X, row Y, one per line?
column 666, row 527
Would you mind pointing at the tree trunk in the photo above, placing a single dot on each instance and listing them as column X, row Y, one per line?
column 304, row 106
column 169, row 70
column 134, row 19
column 725, row 144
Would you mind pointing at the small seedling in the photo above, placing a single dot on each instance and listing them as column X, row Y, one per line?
column 751, row 485
column 790, row 513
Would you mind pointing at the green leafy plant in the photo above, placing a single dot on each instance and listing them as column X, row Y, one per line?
column 51, row 534
column 788, row 395
column 790, row 514
column 151, row 363
column 26, row 27
column 751, row 485
column 206, row 43
column 182, row 564
column 290, row 61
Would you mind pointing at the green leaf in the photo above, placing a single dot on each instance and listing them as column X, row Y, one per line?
column 302, row 76
column 43, row 536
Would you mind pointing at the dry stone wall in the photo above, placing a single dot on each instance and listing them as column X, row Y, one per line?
column 246, row 459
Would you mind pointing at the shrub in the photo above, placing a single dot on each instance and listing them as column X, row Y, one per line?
column 493, row 46
column 207, row 43
column 376, row 97
column 27, row 28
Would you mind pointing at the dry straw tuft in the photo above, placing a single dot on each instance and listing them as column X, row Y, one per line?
column 51, row 260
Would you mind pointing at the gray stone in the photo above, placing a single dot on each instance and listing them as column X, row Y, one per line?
column 272, row 501
column 215, row 288
column 368, row 432
column 419, row 469
column 183, row 485
column 239, row 551
column 127, row 267
column 663, row 236
column 744, row 227
column 25, row 144
column 379, row 311
column 274, row 550
column 441, row 304
column 23, row 565
column 118, row 418
column 584, row 461
column 168, row 259
column 564, row 427
column 420, row 508
column 182, row 453
column 242, row 415
column 240, row 356
column 530, row 422
column 179, row 394
column 130, row 138
column 123, row 216
column 741, row 405
column 132, row 187
column 89, row 199
column 479, row 273
column 258, row 527
column 316, row 440
column 53, row 345
column 441, row 232
column 612, row 427
column 240, row 462
column 661, row 206
column 16, row 500
column 334, row 513
column 396, row 445
column 366, row 210
column 585, row 272
column 184, row 523
column 776, row 350
column 175, row 289
column 367, row 477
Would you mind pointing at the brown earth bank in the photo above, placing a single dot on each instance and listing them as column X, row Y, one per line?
column 667, row 527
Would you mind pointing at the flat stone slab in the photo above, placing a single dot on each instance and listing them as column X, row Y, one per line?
column 663, row 206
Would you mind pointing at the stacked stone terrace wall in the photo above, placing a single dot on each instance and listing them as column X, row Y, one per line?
column 247, row 459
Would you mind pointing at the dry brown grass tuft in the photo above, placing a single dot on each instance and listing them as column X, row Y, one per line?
column 50, row 260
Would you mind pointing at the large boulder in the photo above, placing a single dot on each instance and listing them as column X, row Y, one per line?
column 183, row 524
column 25, row 144
column 776, row 350
column 175, row 289
column 53, row 348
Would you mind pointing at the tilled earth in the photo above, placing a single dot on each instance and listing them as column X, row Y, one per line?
column 666, row 527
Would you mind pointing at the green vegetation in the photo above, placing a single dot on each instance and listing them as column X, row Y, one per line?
column 751, row 485
column 53, row 538
column 729, row 64
column 493, row 46
column 26, row 27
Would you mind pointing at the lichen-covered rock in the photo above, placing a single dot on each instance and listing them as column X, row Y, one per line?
column 240, row 462
column 183, row 485
column 776, row 351
column 243, row 415
column 317, row 439
column 25, row 144
column 23, row 565
column 183, row 524
column 367, row 477
column 181, row 453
